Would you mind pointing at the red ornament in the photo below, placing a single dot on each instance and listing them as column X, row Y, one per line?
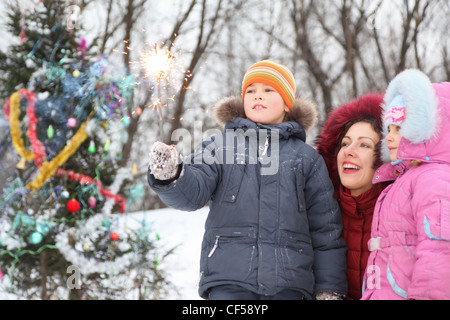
column 73, row 205
column 114, row 236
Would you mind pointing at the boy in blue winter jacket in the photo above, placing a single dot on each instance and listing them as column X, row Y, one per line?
column 274, row 227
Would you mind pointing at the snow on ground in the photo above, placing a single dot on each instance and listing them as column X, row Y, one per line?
column 183, row 230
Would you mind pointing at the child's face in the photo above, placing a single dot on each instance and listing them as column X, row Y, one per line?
column 263, row 104
column 393, row 140
column 356, row 158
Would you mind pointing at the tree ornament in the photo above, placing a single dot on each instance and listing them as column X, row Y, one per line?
column 65, row 194
column 134, row 169
column 43, row 228
column 126, row 121
column 71, row 122
column 91, row 148
column 138, row 111
column 73, row 205
column 76, row 73
column 106, row 223
column 114, row 236
column 92, row 202
column 86, row 246
column 1, row 274
column 50, row 132
column 22, row 164
column 107, row 144
column 23, row 36
column 35, row 237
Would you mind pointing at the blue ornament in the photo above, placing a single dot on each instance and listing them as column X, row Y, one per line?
column 35, row 237
column 65, row 194
column 106, row 223
column 43, row 228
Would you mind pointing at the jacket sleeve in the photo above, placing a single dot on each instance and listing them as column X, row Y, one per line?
column 197, row 181
column 325, row 223
column 430, row 278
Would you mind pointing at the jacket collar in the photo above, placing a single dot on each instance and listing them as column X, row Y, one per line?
column 390, row 171
column 285, row 129
column 362, row 204
column 302, row 117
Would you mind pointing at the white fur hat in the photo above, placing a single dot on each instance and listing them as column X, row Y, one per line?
column 421, row 112
column 421, row 116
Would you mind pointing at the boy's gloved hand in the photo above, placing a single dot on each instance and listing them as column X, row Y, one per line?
column 163, row 161
column 328, row 296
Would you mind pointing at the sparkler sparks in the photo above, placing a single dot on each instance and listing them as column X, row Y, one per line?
column 158, row 63
column 162, row 68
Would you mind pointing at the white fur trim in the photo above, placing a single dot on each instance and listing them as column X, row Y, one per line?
column 422, row 117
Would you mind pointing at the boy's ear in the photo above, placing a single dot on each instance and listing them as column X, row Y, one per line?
column 286, row 108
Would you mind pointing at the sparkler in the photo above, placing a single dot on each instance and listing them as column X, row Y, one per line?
column 159, row 64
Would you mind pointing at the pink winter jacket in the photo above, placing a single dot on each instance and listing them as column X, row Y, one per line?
column 410, row 245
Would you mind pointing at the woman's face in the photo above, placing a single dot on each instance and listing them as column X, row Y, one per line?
column 356, row 158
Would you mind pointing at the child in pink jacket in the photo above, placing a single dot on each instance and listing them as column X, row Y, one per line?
column 410, row 237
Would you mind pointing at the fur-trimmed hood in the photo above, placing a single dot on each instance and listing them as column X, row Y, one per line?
column 426, row 128
column 303, row 112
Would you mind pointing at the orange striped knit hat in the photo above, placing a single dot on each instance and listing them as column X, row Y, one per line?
column 273, row 74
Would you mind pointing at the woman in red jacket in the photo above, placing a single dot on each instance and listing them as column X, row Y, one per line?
column 349, row 143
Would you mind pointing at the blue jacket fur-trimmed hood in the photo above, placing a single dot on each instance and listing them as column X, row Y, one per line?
column 264, row 232
column 303, row 112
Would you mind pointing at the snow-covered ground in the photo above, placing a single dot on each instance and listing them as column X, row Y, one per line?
column 183, row 230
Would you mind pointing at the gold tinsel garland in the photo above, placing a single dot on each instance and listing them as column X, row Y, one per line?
column 14, row 123
column 48, row 169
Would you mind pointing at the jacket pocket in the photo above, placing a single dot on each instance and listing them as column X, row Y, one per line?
column 400, row 265
column 232, row 184
column 230, row 252
column 296, row 254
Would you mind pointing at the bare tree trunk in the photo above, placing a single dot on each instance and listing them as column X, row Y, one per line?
column 203, row 41
column 386, row 74
column 446, row 61
column 348, row 35
column 410, row 32
column 300, row 14
column 43, row 273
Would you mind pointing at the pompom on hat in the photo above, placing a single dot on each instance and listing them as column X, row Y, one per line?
column 273, row 74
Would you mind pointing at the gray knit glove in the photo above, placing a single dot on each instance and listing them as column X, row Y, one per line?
column 163, row 161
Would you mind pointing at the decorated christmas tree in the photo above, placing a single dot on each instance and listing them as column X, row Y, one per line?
column 60, row 235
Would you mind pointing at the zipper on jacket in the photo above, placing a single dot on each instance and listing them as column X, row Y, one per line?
column 362, row 244
column 266, row 146
column 216, row 244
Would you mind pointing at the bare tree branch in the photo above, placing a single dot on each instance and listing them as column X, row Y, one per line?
column 203, row 41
